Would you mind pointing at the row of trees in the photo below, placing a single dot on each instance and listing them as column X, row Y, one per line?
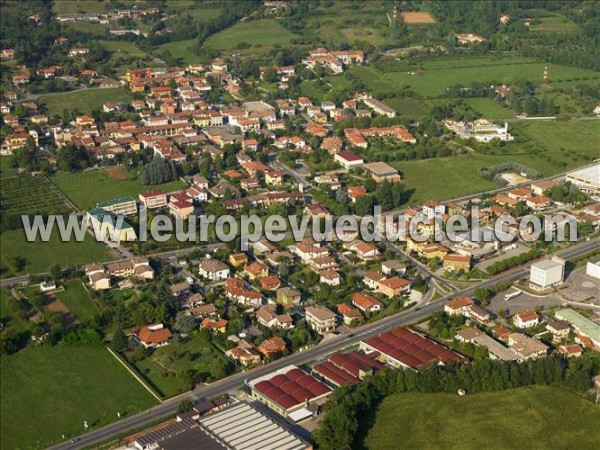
column 159, row 171
column 350, row 407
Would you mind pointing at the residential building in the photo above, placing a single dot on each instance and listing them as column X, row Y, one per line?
column 125, row 206
column 394, row 286
column 350, row 315
column 582, row 326
column 288, row 297
column 526, row 319
column 153, row 199
column 153, row 336
column 320, row 319
column 213, row 269
column 366, row 302
column 455, row 263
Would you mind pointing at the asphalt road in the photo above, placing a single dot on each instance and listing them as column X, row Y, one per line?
column 235, row 381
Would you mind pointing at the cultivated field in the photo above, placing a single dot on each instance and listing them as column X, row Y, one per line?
column 417, row 18
column 85, row 189
column 432, row 78
column 259, row 34
column 25, row 194
column 85, row 101
column 555, row 24
column 518, row 418
column 50, row 391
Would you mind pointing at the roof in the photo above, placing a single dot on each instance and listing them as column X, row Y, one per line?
column 459, row 302
column 193, row 439
column 395, row 283
column 349, row 156
column 149, row 335
column 241, row 426
column 365, row 301
column 115, row 201
column 581, row 323
column 411, row 349
column 320, row 312
column 290, row 387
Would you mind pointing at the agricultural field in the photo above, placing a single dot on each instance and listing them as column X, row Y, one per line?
column 79, row 6
column 519, row 418
column 431, row 79
column 21, row 257
column 259, row 34
column 86, row 383
column 555, row 25
column 77, row 299
column 165, row 369
column 545, row 146
column 25, row 194
column 408, row 107
column 85, row 101
column 85, row 189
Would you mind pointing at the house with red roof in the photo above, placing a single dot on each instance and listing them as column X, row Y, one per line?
column 348, row 159
column 394, row 286
column 153, row 199
column 153, row 336
column 366, row 302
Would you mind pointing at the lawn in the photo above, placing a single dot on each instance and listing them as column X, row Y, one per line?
column 194, row 353
column 38, row 256
column 490, row 108
column 7, row 318
column 262, row 33
column 79, row 6
column 77, row 298
column 123, row 49
column 85, row 189
column 540, row 417
column 85, row 101
column 431, row 79
column 50, row 391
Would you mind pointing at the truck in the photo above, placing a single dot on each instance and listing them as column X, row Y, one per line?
column 514, row 294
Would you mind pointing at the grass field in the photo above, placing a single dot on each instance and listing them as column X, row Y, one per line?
column 84, row 101
column 77, row 298
column 39, row 256
column 432, row 78
column 123, row 49
column 490, row 108
column 195, row 353
column 50, row 391
column 540, row 417
column 554, row 139
column 260, row 34
column 181, row 50
column 85, row 189
column 9, row 320
column 79, row 6
column 555, row 24
column 408, row 107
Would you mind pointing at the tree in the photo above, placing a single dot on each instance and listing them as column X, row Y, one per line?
column 56, row 272
column 119, row 341
column 270, row 75
column 184, row 323
column 482, row 294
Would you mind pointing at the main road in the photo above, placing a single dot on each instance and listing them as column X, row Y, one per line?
column 317, row 352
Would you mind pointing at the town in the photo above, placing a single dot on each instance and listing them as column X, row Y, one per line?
column 206, row 343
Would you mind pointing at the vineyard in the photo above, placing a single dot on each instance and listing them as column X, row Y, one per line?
column 26, row 194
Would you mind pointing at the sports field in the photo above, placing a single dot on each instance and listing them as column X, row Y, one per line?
column 539, row 417
column 260, row 34
column 85, row 189
column 432, row 78
column 51, row 391
column 85, row 101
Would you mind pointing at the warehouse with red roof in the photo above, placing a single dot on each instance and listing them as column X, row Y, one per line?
column 404, row 348
column 343, row 369
column 289, row 389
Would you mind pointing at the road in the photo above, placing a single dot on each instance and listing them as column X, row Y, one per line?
column 340, row 342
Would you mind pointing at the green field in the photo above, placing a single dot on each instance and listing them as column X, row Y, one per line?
column 39, row 256
column 540, row 417
column 408, row 107
column 123, row 49
column 50, row 391
column 194, row 353
column 25, row 194
column 85, row 189
column 9, row 320
column 181, row 50
column 260, row 34
column 84, row 101
column 432, row 78
column 79, row 6
column 77, row 298
column 490, row 108
column 555, row 24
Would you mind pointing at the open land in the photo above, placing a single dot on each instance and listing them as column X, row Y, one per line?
column 50, row 391
column 519, row 418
